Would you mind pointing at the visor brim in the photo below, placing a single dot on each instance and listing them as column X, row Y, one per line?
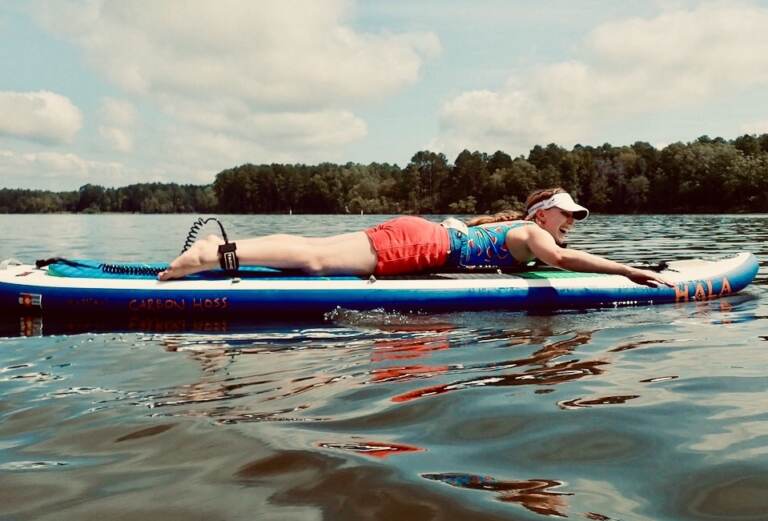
column 579, row 212
column 580, row 215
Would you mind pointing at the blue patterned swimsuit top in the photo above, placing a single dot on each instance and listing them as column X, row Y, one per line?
column 484, row 246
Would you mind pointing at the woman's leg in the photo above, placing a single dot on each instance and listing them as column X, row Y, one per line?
column 349, row 253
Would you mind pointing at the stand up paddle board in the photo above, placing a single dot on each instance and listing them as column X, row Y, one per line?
column 92, row 287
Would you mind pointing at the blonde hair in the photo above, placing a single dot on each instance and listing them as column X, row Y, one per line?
column 507, row 215
column 511, row 215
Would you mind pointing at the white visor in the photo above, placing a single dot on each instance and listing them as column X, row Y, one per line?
column 561, row 200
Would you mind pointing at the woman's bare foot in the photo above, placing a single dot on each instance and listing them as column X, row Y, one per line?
column 201, row 256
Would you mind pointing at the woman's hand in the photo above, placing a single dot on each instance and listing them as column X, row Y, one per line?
column 647, row 278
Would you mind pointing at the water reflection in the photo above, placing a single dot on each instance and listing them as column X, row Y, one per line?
column 545, row 370
column 375, row 449
column 534, row 494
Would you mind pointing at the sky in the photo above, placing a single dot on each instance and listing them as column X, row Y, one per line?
column 121, row 92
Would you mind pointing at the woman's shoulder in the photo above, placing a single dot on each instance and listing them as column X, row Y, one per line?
column 523, row 231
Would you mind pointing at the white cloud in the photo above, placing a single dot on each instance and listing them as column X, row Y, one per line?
column 196, row 155
column 117, row 139
column 39, row 116
column 58, row 171
column 119, row 118
column 275, row 78
column 755, row 127
column 275, row 130
column 292, row 53
column 680, row 58
column 117, row 112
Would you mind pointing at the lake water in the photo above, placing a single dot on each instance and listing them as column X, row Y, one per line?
column 640, row 413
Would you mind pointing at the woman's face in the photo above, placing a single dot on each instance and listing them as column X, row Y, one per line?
column 557, row 222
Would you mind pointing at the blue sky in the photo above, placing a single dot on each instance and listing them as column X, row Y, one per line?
column 113, row 93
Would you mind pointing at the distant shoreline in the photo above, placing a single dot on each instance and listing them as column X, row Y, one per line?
column 706, row 176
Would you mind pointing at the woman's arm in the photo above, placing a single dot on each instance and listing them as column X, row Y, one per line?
column 544, row 248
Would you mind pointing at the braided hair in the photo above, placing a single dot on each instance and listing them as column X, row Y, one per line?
column 511, row 215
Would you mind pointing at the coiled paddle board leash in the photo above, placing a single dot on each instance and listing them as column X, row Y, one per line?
column 227, row 257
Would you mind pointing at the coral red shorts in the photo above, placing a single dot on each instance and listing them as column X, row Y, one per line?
column 408, row 245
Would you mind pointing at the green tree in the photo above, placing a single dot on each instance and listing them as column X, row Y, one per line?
column 749, row 145
column 469, row 177
column 91, row 198
column 425, row 175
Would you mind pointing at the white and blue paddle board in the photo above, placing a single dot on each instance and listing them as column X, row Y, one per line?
column 87, row 287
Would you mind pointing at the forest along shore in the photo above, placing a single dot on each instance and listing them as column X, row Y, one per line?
column 706, row 175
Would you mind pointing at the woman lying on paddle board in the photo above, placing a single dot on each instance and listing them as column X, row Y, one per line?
column 412, row 245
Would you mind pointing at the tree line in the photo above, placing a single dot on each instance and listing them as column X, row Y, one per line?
column 706, row 175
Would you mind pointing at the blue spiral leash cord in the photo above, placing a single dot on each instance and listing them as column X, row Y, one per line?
column 227, row 257
column 194, row 230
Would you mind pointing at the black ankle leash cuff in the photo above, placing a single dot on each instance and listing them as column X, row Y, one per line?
column 228, row 258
